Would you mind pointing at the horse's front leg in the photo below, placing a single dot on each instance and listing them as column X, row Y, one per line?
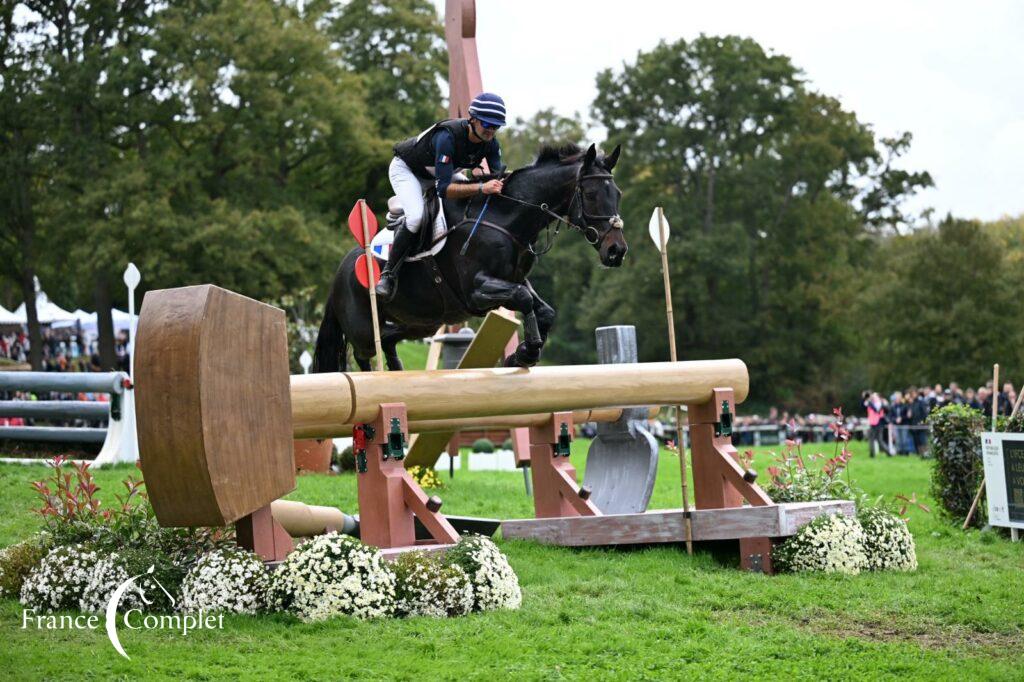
column 490, row 293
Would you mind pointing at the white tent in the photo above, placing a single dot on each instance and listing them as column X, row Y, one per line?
column 47, row 311
column 7, row 317
column 88, row 321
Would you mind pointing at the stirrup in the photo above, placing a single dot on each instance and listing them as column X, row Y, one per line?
column 387, row 287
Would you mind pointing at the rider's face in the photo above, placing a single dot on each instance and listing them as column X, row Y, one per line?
column 480, row 130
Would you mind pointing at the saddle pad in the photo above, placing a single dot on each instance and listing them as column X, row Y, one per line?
column 381, row 244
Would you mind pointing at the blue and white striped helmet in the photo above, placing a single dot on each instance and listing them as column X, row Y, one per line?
column 488, row 108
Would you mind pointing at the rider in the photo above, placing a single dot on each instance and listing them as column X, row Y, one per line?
column 434, row 156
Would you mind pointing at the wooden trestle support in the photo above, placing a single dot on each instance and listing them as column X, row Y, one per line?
column 728, row 504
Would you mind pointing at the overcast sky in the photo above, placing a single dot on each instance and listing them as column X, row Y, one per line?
column 952, row 73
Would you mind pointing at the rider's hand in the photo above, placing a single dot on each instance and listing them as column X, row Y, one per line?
column 492, row 187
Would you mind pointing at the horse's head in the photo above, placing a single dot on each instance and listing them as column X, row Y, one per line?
column 595, row 207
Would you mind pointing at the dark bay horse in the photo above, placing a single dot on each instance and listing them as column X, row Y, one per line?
column 564, row 181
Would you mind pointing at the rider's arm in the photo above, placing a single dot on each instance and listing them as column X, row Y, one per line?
column 494, row 162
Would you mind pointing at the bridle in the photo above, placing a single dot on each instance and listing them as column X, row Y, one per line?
column 614, row 220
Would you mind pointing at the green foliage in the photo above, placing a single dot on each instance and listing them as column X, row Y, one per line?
column 397, row 48
column 483, row 445
column 429, row 586
column 762, row 180
column 344, row 460
column 73, row 513
column 521, row 141
column 958, row 471
column 925, row 292
column 19, row 559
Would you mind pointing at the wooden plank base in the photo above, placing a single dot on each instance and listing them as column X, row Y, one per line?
column 666, row 525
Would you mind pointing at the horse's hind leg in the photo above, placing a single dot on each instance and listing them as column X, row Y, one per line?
column 364, row 364
column 389, row 339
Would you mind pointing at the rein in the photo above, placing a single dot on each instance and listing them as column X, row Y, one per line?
column 585, row 230
column 615, row 220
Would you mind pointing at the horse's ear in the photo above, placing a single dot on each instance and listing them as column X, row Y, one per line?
column 590, row 157
column 612, row 159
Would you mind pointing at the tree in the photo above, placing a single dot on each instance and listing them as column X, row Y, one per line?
column 521, row 141
column 23, row 120
column 397, row 49
column 770, row 188
column 941, row 305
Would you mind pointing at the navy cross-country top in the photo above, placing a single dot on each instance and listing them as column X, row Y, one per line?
column 444, row 148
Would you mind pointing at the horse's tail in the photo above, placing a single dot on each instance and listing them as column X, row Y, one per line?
column 331, row 350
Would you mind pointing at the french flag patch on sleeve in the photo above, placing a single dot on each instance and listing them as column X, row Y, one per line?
column 444, row 159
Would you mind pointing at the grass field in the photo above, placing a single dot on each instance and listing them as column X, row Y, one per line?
column 649, row 613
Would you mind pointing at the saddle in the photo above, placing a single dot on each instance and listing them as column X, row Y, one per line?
column 430, row 241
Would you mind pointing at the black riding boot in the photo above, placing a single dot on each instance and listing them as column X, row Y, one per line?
column 400, row 249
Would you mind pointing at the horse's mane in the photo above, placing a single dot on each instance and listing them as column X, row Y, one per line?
column 569, row 152
column 548, row 155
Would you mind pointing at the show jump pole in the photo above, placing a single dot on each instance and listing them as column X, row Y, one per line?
column 658, row 229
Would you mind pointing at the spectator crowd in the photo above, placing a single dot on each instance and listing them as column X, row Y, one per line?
column 905, row 413
column 70, row 353
column 63, row 353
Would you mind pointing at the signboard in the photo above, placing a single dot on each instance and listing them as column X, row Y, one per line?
column 1003, row 456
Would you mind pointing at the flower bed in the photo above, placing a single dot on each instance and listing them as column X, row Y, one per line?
column 87, row 553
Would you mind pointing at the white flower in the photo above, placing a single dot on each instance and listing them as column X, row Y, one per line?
column 60, row 579
column 333, row 575
column 226, row 580
column 495, row 585
column 829, row 544
column 888, row 542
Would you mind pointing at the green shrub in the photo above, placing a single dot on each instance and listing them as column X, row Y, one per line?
column 17, row 561
column 344, row 460
column 428, row 586
column 495, row 584
column 507, row 445
column 958, row 470
column 483, row 445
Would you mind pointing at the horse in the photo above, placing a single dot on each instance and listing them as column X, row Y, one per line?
column 490, row 250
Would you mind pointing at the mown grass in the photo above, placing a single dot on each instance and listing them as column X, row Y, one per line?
column 648, row 613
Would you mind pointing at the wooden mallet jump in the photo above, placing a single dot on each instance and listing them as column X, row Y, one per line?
column 217, row 413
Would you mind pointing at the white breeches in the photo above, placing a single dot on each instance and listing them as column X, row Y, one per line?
column 409, row 190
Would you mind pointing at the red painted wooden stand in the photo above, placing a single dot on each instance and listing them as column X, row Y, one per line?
column 389, row 499
column 718, row 480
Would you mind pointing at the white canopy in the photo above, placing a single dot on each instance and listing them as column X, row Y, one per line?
column 88, row 320
column 47, row 311
column 52, row 314
column 7, row 317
